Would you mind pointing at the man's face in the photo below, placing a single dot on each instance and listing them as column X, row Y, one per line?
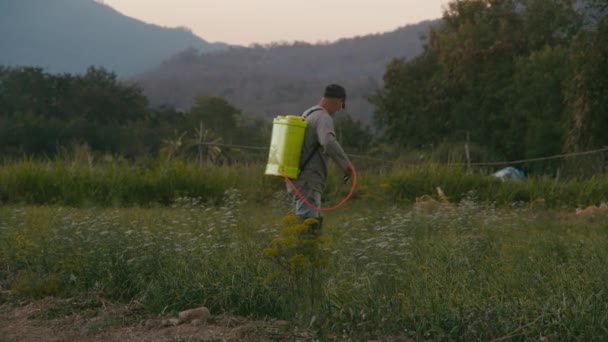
column 336, row 105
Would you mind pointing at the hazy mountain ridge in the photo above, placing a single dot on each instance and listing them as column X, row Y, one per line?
column 284, row 78
column 70, row 35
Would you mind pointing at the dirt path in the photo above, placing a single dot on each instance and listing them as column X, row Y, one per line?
column 56, row 320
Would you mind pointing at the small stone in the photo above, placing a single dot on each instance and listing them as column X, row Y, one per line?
column 201, row 313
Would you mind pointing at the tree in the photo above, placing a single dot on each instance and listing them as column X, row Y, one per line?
column 479, row 75
column 99, row 97
column 540, row 123
column 410, row 109
column 39, row 111
column 216, row 114
column 587, row 95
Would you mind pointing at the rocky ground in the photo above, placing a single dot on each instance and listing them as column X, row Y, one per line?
column 88, row 320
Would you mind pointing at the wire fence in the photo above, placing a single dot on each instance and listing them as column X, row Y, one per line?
column 476, row 164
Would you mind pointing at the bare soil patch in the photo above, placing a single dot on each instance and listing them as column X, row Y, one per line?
column 89, row 320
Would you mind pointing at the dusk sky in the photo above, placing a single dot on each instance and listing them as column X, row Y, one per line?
column 245, row 22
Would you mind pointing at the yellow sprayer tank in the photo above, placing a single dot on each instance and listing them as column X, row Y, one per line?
column 286, row 146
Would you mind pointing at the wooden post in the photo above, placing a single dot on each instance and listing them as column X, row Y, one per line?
column 468, row 154
column 200, row 142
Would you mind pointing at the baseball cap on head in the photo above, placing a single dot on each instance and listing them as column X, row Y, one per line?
column 336, row 91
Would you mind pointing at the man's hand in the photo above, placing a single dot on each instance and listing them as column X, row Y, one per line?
column 347, row 174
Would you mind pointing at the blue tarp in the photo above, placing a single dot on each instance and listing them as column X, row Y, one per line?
column 510, row 173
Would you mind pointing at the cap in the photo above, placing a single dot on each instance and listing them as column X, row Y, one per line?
column 336, row 91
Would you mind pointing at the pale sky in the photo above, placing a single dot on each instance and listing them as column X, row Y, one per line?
column 244, row 22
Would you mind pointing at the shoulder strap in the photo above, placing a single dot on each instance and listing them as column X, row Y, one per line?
column 314, row 150
column 312, row 110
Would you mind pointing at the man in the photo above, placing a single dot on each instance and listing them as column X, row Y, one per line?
column 319, row 143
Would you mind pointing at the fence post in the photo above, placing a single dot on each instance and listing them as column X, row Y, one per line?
column 468, row 154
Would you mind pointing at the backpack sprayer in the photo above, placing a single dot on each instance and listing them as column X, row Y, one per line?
column 285, row 154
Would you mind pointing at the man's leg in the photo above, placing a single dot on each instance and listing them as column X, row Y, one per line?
column 304, row 211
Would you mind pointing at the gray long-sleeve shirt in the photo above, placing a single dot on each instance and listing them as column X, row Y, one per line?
column 320, row 132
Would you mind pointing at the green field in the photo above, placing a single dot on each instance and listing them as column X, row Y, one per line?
column 471, row 269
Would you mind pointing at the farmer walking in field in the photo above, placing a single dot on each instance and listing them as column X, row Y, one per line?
column 319, row 143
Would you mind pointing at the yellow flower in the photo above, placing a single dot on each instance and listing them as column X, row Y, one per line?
column 270, row 252
column 289, row 220
column 299, row 261
column 284, row 241
column 295, row 229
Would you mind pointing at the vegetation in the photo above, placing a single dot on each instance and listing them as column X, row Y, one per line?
column 42, row 114
column 101, row 196
column 512, row 79
column 518, row 78
column 85, row 183
column 284, row 77
column 464, row 271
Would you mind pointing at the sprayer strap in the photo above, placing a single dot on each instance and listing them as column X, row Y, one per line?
column 306, row 115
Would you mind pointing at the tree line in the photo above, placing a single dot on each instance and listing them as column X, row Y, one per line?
column 42, row 114
column 512, row 78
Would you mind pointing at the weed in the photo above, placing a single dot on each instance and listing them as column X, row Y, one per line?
column 471, row 270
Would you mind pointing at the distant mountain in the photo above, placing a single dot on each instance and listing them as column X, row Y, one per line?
column 70, row 35
column 284, row 78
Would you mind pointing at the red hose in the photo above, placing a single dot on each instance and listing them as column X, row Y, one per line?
column 324, row 210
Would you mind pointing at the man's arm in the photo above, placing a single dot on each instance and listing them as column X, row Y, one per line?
column 327, row 139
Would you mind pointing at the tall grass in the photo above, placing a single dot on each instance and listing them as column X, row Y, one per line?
column 121, row 184
column 471, row 271
column 118, row 184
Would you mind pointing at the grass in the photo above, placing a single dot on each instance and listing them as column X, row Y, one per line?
column 149, row 184
column 468, row 271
